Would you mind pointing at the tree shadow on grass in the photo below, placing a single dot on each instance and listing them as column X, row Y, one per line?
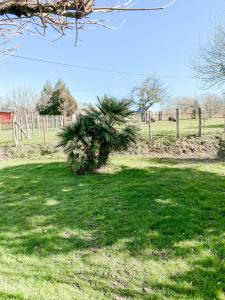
column 153, row 212
column 159, row 206
column 8, row 296
column 205, row 280
column 221, row 150
column 184, row 160
column 214, row 126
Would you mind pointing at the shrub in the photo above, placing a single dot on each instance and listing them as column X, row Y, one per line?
column 95, row 134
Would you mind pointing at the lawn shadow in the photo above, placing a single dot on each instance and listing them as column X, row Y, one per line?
column 205, row 280
column 159, row 206
column 149, row 212
column 8, row 296
column 221, row 151
column 184, row 160
column 214, row 126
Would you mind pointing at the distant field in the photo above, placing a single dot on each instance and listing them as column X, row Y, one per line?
column 6, row 137
column 187, row 127
column 159, row 129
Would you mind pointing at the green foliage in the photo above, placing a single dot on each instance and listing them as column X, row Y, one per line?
column 57, row 101
column 101, row 130
column 45, row 96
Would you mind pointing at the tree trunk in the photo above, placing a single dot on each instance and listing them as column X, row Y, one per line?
column 103, row 155
column 142, row 115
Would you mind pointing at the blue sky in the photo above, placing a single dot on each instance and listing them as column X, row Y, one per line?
column 148, row 42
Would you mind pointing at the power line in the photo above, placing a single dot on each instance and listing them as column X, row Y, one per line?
column 94, row 68
column 74, row 66
column 105, row 87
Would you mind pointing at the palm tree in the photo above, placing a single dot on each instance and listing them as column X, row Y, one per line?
column 114, row 134
column 102, row 129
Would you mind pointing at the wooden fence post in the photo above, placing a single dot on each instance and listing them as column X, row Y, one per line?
column 21, row 124
column 27, row 126
column 199, row 122
column 38, row 124
column 149, row 126
column 46, row 123
column 53, row 123
column 21, row 128
column 160, row 116
column 32, row 123
column 224, row 123
column 15, row 137
column 44, row 130
column 177, row 123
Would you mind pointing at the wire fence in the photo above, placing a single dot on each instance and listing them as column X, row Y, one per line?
column 178, row 124
column 31, row 128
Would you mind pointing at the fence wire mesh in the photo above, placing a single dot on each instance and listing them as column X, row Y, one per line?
column 167, row 124
column 32, row 128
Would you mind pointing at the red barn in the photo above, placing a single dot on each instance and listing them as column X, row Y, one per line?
column 6, row 116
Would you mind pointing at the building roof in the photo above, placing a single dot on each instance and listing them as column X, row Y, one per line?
column 6, row 110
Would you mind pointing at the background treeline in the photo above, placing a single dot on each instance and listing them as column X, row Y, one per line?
column 56, row 100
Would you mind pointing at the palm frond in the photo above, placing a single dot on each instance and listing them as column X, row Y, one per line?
column 114, row 109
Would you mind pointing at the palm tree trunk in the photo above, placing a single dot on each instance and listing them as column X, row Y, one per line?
column 103, row 155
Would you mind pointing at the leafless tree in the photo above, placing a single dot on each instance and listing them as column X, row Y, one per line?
column 212, row 105
column 147, row 93
column 209, row 63
column 186, row 104
column 20, row 100
column 35, row 16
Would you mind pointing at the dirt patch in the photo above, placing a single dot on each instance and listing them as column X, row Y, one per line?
column 28, row 152
column 207, row 146
column 210, row 146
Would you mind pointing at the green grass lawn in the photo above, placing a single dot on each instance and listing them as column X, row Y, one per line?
column 146, row 229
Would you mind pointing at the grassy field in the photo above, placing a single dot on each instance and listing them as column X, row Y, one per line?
column 6, row 137
column 187, row 127
column 159, row 129
column 146, row 229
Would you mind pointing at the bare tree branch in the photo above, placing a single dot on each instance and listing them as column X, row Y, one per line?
column 17, row 16
column 112, row 9
column 209, row 64
column 149, row 92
